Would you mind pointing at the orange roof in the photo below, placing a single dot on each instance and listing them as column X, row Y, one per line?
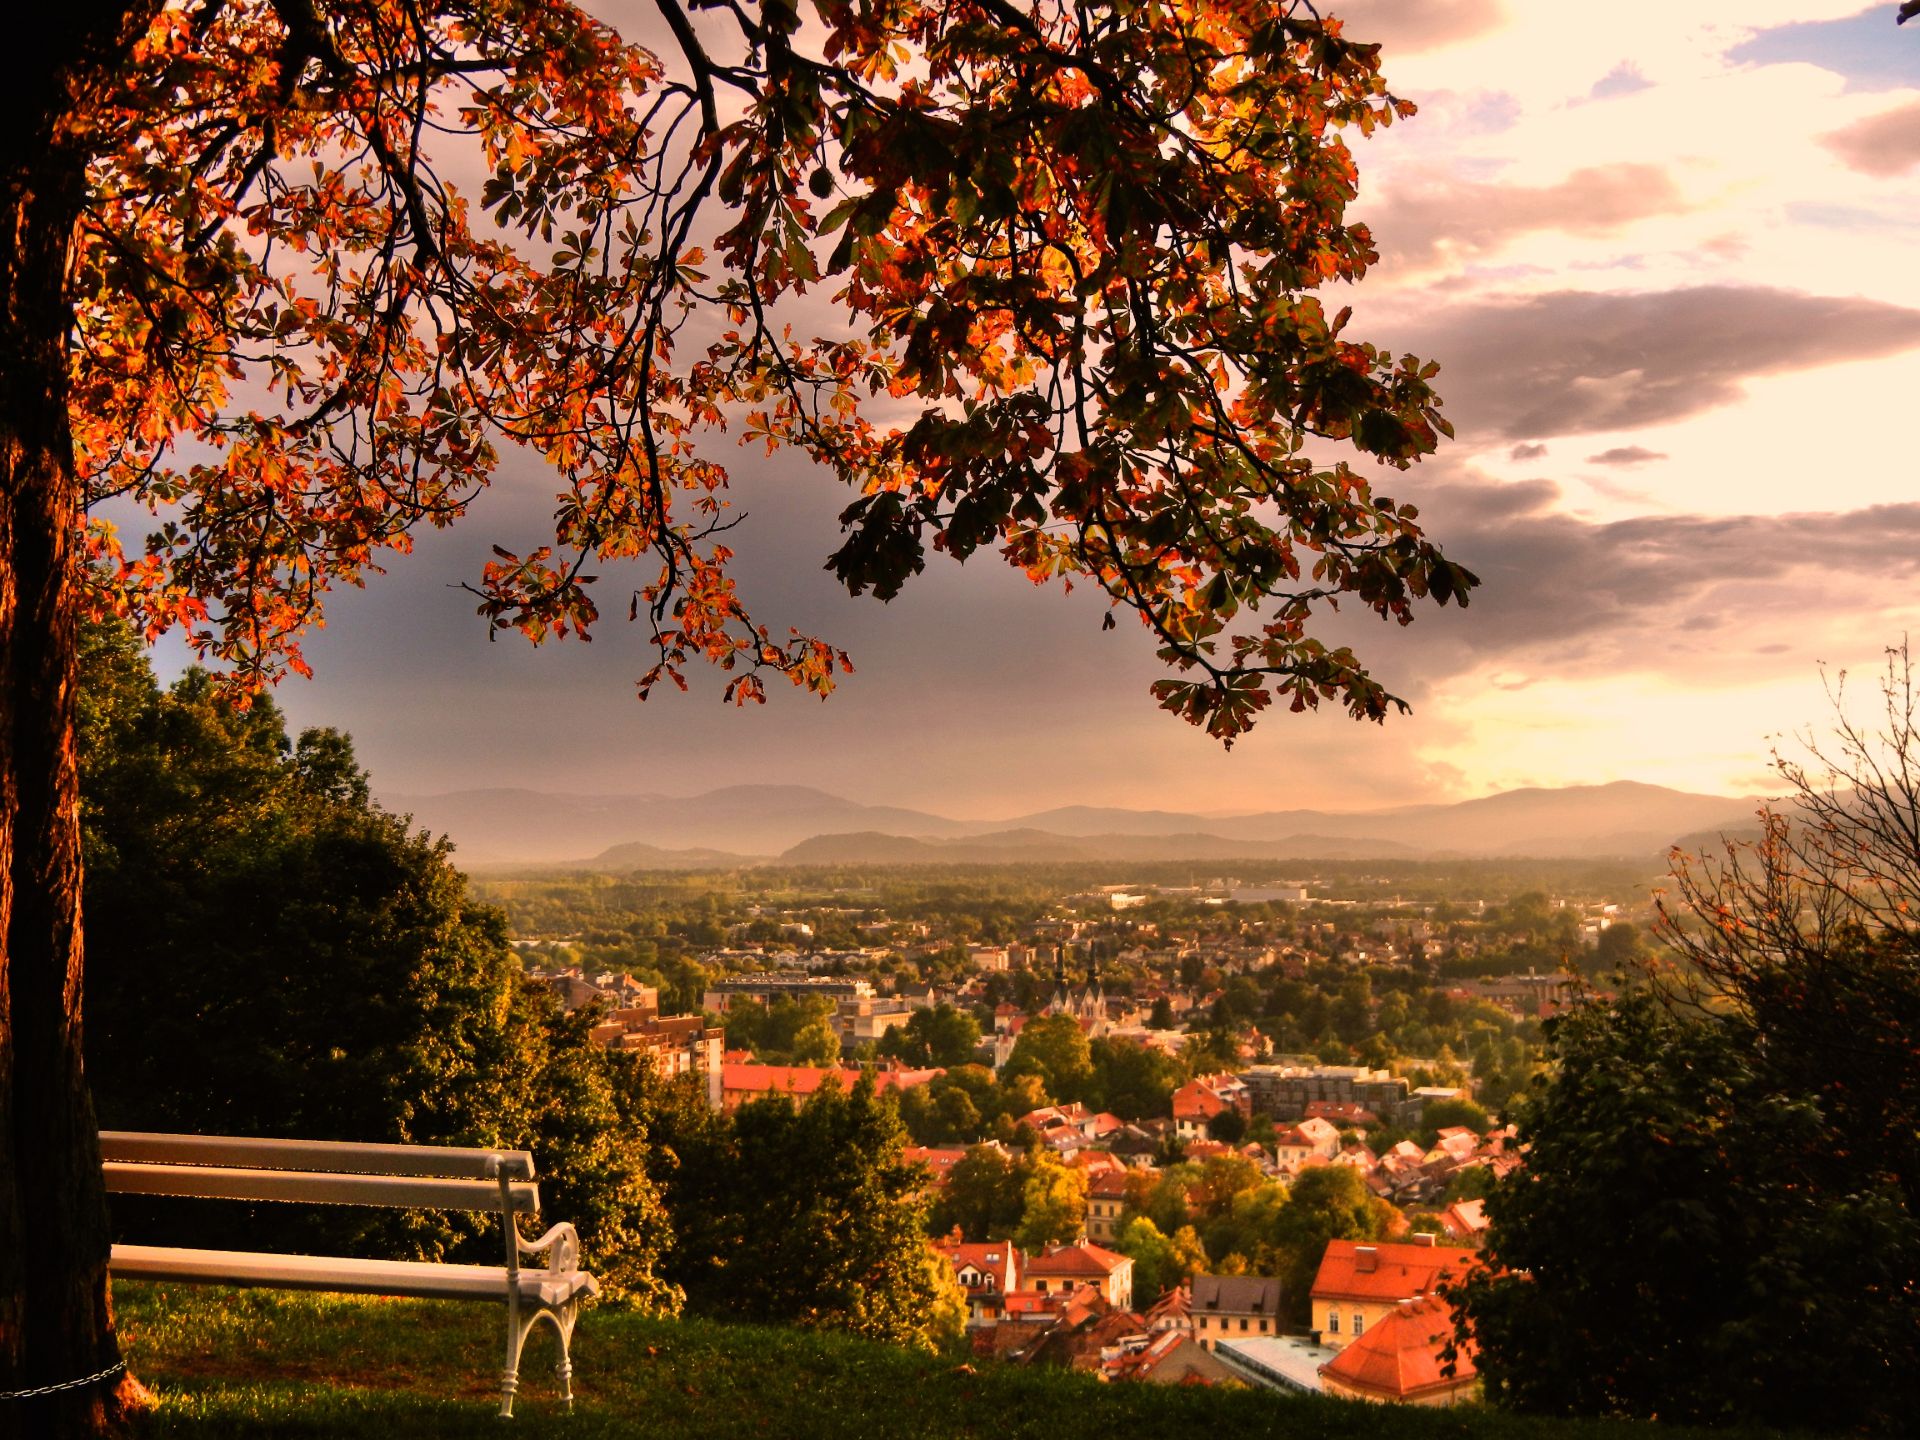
column 805, row 1079
column 1398, row 1358
column 939, row 1159
column 1386, row 1271
column 1107, row 1184
column 1071, row 1260
column 1194, row 1101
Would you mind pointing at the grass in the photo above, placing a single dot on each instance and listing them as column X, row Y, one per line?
column 270, row 1364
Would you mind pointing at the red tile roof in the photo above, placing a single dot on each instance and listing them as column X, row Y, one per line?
column 938, row 1159
column 1384, row 1271
column 751, row 1079
column 1071, row 1260
column 1194, row 1101
column 1398, row 1358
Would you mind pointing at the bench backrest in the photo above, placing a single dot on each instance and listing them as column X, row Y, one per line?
column 232, row 1167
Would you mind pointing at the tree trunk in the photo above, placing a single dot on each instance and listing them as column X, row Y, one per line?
column 56, row 1320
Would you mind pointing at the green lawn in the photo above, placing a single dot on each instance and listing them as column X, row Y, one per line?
column 260, row 1363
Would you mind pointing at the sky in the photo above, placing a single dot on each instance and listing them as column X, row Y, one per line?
column 1668, row 257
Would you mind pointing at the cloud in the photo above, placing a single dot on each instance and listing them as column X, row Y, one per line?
column 1562, row 595
column 1433, row 216
column 1403, row 29
column 1865, row 48
column 1626, row 455
column 1624, row 79
column 1882, row 145
column 1573, row 362
column 1526, row 452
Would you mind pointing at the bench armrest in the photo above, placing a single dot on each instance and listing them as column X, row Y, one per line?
column 562, row 1240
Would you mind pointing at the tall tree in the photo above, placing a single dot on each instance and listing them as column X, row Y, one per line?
column 806, row 1215
column 237, row 289
column 1743, row 1122
column 274, row 954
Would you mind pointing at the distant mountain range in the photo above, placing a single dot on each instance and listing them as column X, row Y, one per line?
column 792, row 824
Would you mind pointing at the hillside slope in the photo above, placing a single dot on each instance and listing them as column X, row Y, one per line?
column 267, row 1364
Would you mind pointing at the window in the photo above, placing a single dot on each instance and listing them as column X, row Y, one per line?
column 1243, row 1324
column 1263, row 1327
column 1359, row 1323
column 1333, row 1322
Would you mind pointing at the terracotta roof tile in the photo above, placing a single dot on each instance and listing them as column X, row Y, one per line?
column 1386, row 1271
column 1398, row 1358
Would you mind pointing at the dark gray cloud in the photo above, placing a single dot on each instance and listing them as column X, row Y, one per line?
column 1575, row 595
column 1433, row 214
column 1526, row 452
column 1882, row 145
column 1574, row 362
column 1626, row 455
column 1403, row 28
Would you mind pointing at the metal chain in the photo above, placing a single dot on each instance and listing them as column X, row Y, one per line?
column 114, row 1368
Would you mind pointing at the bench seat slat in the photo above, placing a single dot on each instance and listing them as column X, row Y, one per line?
column 212, row 1182
column 422, row 1279
column 342, row 1156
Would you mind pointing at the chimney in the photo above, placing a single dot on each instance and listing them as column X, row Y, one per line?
column 1422, row 1237
column 1366, row 1259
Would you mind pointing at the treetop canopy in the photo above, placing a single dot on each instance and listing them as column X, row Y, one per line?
column 1076, row 249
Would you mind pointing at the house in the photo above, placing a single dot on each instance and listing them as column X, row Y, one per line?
column 1172, row 1311
column 1359, row 1284
column 1465, row 1221
column 1066, row 1268
column 1085, row 1333
column 988, row 1273
column 1169, row 1358
column 1225, row 1306
column 1401, row 1359
column 939, row 1159
column 1106, row 1198
column 1197, row 1102
column 674, row 1045
column 1296, row 1145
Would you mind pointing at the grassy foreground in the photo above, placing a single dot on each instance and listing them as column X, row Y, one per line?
column 262, row 1363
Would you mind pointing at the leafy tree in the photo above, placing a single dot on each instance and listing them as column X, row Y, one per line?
column 1054, row 1049
column 236, row 286
column 1161, row 1017
column 807, row 1216
column 1229, row 1126
column 307, row 966
column 984, row 1197
column 1330, row 1202
column 1134, row 1081
column 1160, row 1262
column 1448, row 1114
column 1744, row 1125
column 1054, row 1203
column 939, row 1036
column 1733, row 1290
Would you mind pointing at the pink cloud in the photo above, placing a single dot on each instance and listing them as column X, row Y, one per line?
column 1435, row 214
column 1882, row 145
column 1401, row 28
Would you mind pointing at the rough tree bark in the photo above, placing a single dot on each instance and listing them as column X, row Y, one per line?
column 56, row 1319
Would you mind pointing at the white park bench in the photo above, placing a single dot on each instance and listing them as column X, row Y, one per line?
column 430, row 1177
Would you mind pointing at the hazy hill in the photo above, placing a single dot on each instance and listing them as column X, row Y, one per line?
column 730, row 826
column 1010, row 847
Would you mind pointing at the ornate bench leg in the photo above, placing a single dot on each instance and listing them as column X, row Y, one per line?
column 563, row 1319
column 517, row 1331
